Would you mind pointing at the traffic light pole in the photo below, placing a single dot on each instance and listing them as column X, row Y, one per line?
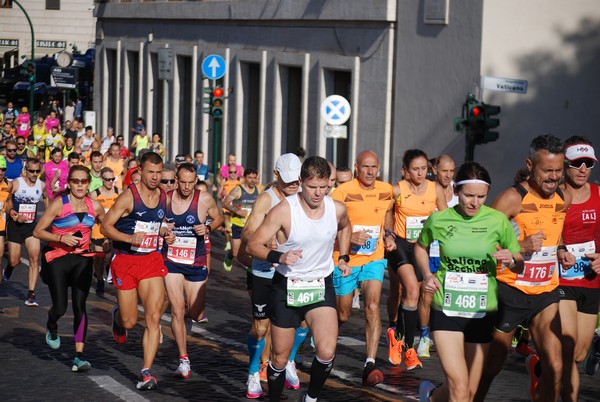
column 31, row 84
column 469, row 146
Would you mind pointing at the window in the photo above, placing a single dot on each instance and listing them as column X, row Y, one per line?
column 52, row 4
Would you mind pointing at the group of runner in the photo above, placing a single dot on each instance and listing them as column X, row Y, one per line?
column 458, row 270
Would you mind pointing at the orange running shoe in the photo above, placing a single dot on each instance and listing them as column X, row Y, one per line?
column 411, row 360
column 394, row 347
column 263, row 371
column 531, row 361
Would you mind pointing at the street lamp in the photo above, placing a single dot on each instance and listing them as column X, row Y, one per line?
column 31, row 81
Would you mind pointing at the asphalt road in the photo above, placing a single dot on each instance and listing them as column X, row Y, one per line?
column 31, row 371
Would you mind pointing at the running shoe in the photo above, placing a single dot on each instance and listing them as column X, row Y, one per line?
column 183, row 371
column 8, row 271
column 264, row 366
column 371, row 375
column 254, row 389
column 523, row 349
column 531, row 361
column 80, row 365
column 52, row 339
column 228, row 262
column 411, row 360
column 120, row 334
column 291, row 376
column 203, row 319
column 592, row 360
column 30, row 300
column 147, row 381
column 100, row 287
column 424, row 345
column 425, row 390
column 356, row 302
column 394, row 347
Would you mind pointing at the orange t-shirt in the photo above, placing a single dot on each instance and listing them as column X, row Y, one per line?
column 411, row 211
column 3, row 198
column 106, row 203
column 366, row 210
column 227, row 187
column 541, row 268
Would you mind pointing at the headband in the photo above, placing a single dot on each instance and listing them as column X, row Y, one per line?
column 471, row 181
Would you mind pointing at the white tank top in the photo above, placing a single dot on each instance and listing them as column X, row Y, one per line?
column 314, row 237
column 261, row 268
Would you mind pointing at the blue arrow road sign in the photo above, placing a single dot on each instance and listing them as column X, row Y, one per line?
column 214, row 67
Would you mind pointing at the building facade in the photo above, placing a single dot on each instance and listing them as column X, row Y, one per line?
column 59, row 25
column 405, row 66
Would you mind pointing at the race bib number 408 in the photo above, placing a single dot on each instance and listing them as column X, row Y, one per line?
column 371, row 244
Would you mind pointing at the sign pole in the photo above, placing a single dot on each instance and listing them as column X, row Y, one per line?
column 31, row 84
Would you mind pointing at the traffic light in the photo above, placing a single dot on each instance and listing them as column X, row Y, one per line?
column 218, row 96
column 28, row 71
column 208, row 100
column 491, row 122
column 31, row 72
column 475, row 116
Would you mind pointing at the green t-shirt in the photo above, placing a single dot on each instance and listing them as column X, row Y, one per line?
column 467, row 269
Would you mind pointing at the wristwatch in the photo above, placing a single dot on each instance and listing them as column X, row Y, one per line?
column 344, row 257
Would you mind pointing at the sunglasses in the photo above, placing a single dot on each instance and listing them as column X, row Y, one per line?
column 577, row 164
column 79, row 181
column 36, row 171
column 11, row 150
column 109, row 178
column 3, row 169
column 165, row 181
column 20, row 143
column 233, row 172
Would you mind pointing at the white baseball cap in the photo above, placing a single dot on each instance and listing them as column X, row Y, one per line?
column 288, row 166
column 579, row 151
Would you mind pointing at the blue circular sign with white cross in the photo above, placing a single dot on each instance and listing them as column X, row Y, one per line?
column 335, row 110
column 214, row 67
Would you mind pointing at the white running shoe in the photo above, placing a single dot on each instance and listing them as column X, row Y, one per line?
column 254, row 390
column 183, row 371
column 291, row 376
column 423, row 348
column 356, row 302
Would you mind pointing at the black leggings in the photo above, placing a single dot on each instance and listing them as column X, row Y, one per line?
column 67, row 271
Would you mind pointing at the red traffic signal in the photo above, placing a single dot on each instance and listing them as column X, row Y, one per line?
column 218, row 92
column 477, row 111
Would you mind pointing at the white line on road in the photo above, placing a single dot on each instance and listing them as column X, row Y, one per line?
column 117, row 389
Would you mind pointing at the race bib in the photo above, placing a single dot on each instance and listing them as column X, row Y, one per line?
column 201, row 177
column 414, row 225
column 303, row 293
column 539, row 268
column 24, row 127
column 582, row 265
column 183, row 251
column 465, row 295
column 28, row 211
column 371, row 244
column 150, row 241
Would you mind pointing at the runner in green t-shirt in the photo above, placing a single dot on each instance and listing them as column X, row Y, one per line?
column 473, row 240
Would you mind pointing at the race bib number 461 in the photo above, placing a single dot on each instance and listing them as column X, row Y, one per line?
column 303, row 293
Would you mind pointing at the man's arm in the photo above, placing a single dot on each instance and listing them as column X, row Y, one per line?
column 259, row 211
column 274, row 221
column 233, row 195
column 440, row 200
